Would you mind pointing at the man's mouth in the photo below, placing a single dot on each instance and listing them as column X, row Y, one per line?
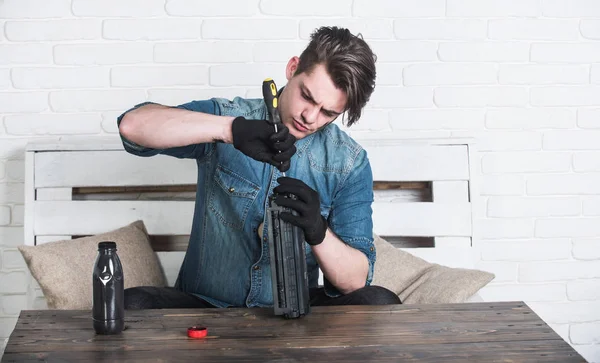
column 300, row 127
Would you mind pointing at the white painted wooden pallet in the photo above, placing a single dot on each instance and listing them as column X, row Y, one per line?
column 54, row 169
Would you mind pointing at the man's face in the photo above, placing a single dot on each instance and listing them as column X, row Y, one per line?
column 309, row 101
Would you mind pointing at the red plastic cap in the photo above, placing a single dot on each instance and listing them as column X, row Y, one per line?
column 197, row 332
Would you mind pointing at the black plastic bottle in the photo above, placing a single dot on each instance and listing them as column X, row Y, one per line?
column 108, row 305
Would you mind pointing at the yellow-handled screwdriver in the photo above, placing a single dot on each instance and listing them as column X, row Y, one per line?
column 269, row 90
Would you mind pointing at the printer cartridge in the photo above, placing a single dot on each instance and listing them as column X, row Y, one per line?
column 288, row 264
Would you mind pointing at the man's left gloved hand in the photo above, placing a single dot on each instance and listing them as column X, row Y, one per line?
column 308, row 206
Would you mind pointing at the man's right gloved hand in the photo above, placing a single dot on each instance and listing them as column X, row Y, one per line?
column 258, row 140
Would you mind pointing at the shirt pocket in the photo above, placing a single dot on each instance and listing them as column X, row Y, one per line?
column 231, row 197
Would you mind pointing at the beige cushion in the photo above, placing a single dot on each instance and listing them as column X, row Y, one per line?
column 417, row 281
column 64, row 268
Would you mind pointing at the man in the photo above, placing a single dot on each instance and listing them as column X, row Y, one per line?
column 240, row 162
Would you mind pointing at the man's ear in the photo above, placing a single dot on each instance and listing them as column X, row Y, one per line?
column 291, row 67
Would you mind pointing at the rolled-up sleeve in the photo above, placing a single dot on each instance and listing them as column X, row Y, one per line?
column 193, row 151
column 351, row 215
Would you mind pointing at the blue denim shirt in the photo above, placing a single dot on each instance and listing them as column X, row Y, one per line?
column 226, row 262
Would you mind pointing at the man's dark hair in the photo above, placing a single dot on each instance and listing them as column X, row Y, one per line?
column 349, row 62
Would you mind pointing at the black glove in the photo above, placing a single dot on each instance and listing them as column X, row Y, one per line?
column 258, row 140
column 308, row 206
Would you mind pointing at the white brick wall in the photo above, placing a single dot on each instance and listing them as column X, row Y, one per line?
column 565, row 52
column 53, row 30
column 586, row 249
column 570, row 8
column 533, row 29
column 207, row 9
column 479, row 96
column 543, row 74
column 492, row 8
column 530, row 118
column 67, row 77
column 103, row 53
column 589, row 29
column 483, row 51
column 521, row 76
column 114, row 8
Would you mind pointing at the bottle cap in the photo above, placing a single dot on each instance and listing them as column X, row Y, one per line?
column 107, row 244
column 197, row 332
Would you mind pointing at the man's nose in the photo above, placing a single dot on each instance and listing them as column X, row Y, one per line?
column 311, row 114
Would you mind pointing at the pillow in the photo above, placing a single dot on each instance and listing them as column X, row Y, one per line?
column 64, row 268
column 417, row 281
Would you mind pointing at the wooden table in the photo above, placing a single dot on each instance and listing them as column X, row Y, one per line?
column 477, row 332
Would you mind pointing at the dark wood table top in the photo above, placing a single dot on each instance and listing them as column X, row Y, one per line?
column 477, row 332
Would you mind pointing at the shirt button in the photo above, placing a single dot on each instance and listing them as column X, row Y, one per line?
column 257, row 267
column 372, row 248
column 265, row 239
column 231, row 190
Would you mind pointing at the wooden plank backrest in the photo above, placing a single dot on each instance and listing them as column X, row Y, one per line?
column 57, row 174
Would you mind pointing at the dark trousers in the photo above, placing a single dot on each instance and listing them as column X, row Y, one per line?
column 147, row 297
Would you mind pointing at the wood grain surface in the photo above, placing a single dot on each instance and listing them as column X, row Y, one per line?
column 470, row 332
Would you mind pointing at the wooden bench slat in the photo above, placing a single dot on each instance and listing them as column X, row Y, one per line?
column 110, row 168
column 422, row 219
column 119, row 168
column 78, row 217
column 450, row 191
column 165, row 217
column 377, row 185
column 419, row 162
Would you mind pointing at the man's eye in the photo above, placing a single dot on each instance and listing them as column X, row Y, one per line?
column 305, row 96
